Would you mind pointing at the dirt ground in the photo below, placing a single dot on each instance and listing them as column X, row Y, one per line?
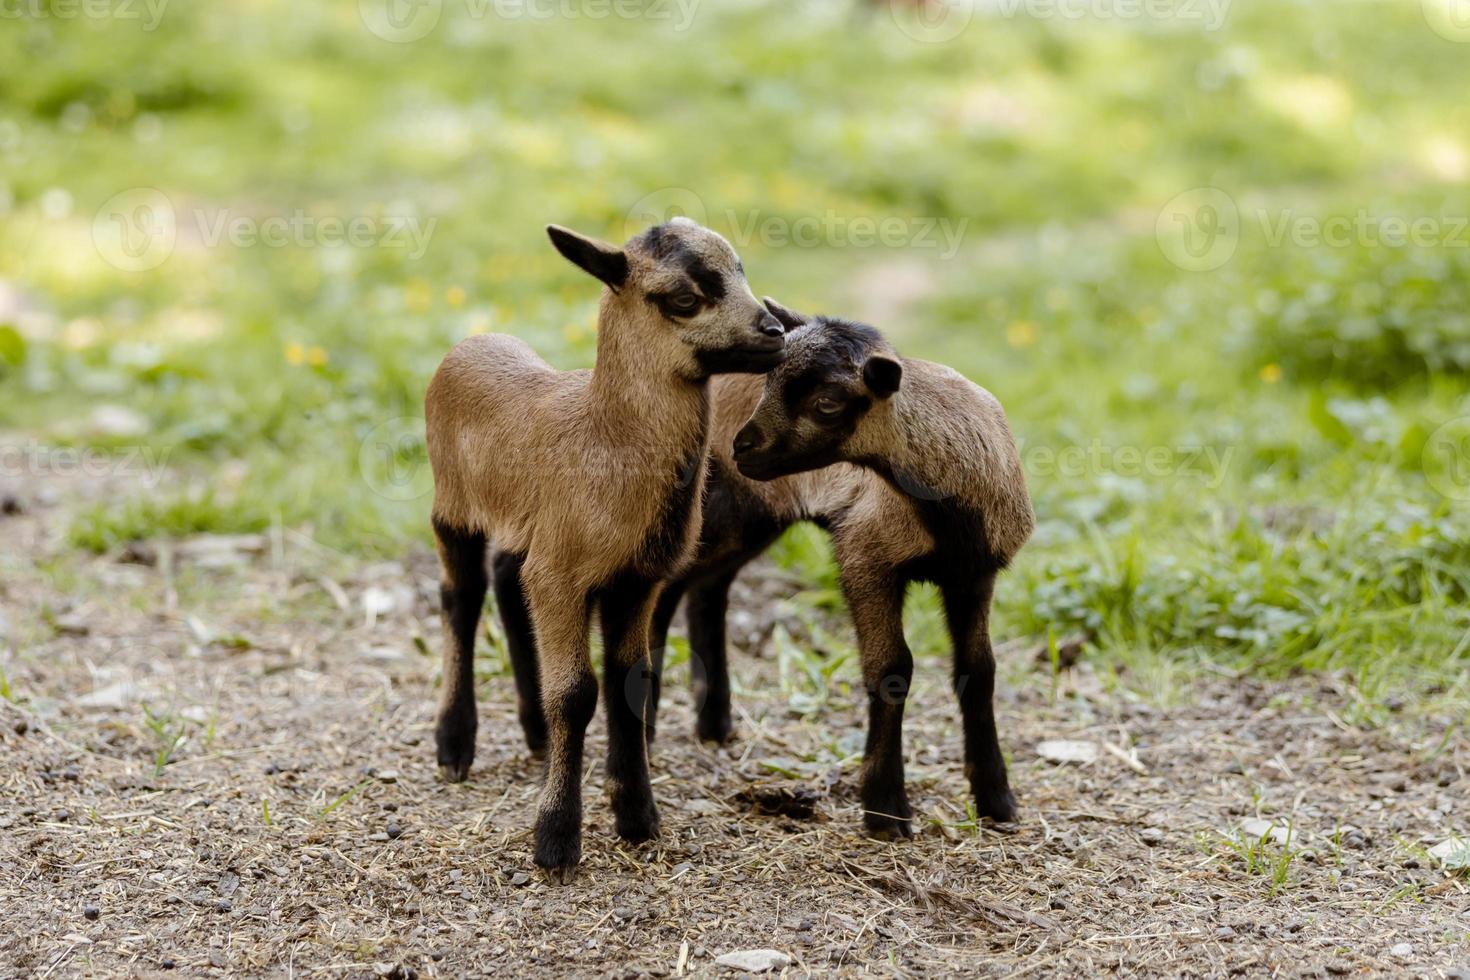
column 216, row 756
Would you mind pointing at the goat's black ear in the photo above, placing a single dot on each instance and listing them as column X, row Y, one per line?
column 607, row 262
column 882, row 374
column 790, row 319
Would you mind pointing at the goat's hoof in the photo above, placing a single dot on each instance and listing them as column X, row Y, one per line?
column 558, row 856
column 998, row 805
column 717, row 730
column 636, row 822
column 454, row 772
column 563, row 874
column 887, row 827
column 455, row 745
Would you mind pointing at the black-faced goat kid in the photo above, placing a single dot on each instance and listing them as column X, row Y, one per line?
column 913, row 470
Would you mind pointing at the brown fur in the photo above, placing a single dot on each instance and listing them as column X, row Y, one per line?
column 588, row 485
column 922, row 461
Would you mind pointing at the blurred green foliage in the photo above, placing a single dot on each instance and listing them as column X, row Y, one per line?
column 1227, row 456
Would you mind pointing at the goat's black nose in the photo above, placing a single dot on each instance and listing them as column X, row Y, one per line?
column 746, row 439
column 771, row 327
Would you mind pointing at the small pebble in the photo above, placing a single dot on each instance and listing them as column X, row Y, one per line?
column 166, row 964
column 21, row 726
column 388, row 776
column 1402, row 951
column 224, row 905
column 394, row 831
column 91, row 912
column 520, row 878
column 1152, row 836
column 378, row 837
column 1224, row 934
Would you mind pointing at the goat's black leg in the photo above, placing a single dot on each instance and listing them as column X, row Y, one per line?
column 461, row 595
column 520, row 642
column 658, row 639
column 627, row 609
column 876, row 601
column 709, row 670
column 560, row 614
column 967, row 608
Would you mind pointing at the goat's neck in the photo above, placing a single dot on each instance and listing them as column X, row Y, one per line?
column 914, row 454
column 641, row 401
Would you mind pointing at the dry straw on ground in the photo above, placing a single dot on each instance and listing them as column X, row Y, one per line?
column 275, row 810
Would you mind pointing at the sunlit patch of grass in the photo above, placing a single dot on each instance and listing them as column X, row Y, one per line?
column 200, row 511
column 1318, row 370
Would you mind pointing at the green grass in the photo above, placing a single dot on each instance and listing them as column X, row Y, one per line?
column 1228, row 460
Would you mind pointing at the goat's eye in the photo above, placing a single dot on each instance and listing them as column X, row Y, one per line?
column 827, row 407
column 684, row 302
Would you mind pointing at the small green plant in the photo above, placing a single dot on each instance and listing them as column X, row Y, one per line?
column 168, row 732
column 326, row 811
column 1263, row 856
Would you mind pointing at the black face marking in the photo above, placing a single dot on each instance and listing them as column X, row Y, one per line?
column 828, row 352
column 710, row 282
column 753, row 360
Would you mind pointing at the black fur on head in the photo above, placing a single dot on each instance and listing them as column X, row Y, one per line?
column 835, row 371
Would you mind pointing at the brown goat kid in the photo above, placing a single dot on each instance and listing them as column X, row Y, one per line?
column 913, row 470
column 588, row 485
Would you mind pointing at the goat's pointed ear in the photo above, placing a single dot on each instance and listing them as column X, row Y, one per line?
column 790, row 319
column 607, row 262
column 882, row 374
